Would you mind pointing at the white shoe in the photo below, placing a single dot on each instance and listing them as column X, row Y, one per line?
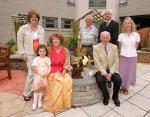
column 35, row 100
column 34, row 105
column 40, row 100
column 39, row 104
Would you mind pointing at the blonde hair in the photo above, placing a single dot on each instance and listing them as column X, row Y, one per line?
column 133, row 29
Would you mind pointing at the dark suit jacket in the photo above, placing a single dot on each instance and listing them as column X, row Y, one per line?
column 112, row 28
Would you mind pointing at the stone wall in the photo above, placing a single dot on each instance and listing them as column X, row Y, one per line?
column 85, row 92
column 17, row 62
column 143, row 57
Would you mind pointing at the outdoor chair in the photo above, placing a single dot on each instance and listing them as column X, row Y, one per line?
column 5, row 60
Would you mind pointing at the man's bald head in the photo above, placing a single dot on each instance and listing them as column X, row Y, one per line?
column 108, row 14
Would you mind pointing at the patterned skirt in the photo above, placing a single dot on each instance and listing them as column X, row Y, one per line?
column 40, row 83
column 58, row 95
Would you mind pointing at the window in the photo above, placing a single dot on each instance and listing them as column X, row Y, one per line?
column 66, row 23
column 97, row 3
column 50, row 22
column 71, row 2
column 123, row 2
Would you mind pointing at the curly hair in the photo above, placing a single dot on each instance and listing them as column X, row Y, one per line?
column 58, row 36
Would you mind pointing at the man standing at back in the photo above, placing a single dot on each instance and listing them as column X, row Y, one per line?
column 109, row 25
column 88, row 36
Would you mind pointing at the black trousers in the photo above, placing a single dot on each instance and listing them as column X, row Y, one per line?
column 101, row 82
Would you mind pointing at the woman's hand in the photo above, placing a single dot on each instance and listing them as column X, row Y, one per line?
column 34, row 69
column 25, row 58
column 45, row 75
column 64, row 71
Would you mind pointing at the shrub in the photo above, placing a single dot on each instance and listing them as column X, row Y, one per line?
column 13, row 46
column 71, row 42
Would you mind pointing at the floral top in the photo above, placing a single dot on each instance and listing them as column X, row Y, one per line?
column 42, row 64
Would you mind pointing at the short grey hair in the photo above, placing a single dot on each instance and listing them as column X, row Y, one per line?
column 90, row 17
column 105, row 33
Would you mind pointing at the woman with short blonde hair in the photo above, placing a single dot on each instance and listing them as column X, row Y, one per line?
column 124, row 26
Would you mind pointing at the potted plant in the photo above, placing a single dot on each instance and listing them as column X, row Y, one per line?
column 78, row 61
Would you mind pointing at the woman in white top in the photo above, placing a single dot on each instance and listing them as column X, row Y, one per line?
column 29, row 36
column 128, row 42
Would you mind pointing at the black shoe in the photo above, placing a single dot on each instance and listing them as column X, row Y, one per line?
column 109, row 84
column 105, row 101
column 116, row 101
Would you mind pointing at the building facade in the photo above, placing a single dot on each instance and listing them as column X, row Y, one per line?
column 138, row 10
column 84, row 6
column 55, row 15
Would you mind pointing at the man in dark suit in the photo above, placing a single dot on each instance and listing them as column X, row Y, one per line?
column 109, row 25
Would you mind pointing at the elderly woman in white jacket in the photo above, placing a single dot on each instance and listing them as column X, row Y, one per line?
column 29, row 37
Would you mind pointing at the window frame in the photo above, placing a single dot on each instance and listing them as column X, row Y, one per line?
column 44, row 23
column 100, row 6
column 123, row 2
column 63, row 23
column 71, row 2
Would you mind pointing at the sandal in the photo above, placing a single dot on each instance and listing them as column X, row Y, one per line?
column 122, row 90
column 126, row 92
column 26, row 98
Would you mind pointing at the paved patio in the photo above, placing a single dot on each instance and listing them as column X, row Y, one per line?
column 136, row 104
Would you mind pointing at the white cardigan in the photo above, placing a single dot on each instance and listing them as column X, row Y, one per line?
column 25, row 41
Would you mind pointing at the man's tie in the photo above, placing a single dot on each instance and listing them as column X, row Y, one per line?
column 105, row 48
column 107, row 23
column 107, row 67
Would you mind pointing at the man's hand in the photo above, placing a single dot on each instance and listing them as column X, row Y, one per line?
column 110, row 75
column 107, row 77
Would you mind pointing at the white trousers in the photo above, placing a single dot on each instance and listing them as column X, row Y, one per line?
column 29, row 80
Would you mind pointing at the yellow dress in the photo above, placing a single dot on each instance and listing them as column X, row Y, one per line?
column 59, row 93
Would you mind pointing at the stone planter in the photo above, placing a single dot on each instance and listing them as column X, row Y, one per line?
column 85, row 92
column 143, row 57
